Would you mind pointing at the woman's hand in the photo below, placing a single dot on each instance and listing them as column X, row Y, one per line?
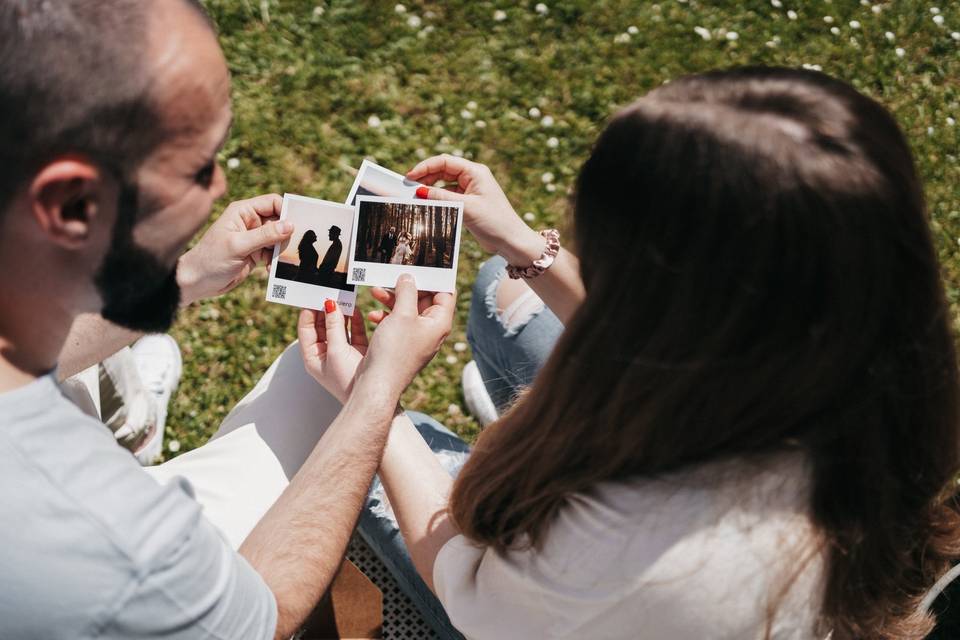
column 332, row 352
column 406, row 339
column 486, row 212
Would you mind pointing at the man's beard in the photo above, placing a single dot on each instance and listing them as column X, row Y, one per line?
column 138, row 291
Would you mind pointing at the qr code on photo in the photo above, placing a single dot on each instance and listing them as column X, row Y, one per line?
column 279, row 291
column 359, row 275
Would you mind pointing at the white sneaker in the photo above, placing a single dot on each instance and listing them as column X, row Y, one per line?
column 160, row 365
column 479, row 403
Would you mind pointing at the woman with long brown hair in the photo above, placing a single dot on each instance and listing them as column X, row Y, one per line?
column 749, row 426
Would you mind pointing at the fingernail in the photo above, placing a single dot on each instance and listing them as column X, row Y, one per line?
column 285, row 227
column 405, row 277
column 329, row 306
column 423, row 192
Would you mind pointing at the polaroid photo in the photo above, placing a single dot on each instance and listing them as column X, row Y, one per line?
column 311, row 266
column 392, row 236
column 374, row 180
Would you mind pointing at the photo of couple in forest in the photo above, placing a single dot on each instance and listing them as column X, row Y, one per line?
column 406, row 234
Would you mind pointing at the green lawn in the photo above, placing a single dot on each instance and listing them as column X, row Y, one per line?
column 524, row 88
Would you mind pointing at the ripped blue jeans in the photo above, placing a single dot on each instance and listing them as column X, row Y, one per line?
column 509, row 346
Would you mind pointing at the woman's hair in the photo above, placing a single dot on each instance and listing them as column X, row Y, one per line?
column 760, row 278
column 309, row 237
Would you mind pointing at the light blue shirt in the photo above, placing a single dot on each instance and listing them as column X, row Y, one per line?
column 93, row 547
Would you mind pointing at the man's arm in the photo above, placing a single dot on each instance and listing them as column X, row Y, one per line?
column 297, row 547
column 91, row 340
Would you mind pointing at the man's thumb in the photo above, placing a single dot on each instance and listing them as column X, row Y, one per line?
column 265, row 236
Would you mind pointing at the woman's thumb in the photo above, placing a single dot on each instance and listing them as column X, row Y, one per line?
column 436, row 193
column 333, row 320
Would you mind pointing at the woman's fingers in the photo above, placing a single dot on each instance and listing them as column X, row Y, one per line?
column 358, row 330
column 333, row 322
column 312, row 341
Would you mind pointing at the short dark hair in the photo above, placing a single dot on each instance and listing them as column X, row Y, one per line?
column 73, row 79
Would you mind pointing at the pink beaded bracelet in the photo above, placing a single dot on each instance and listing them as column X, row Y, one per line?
column 552, row 236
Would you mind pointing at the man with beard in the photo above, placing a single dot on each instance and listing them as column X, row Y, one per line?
column 111, row 117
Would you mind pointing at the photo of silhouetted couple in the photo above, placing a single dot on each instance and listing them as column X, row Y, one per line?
column 315, row 253
column 406, row 234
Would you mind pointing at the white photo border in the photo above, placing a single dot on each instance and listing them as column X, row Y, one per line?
column 369, row 165
column 300, row 294
column 377, row 274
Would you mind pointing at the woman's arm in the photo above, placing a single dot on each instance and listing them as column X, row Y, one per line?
column 491, row 219
column 418, row 489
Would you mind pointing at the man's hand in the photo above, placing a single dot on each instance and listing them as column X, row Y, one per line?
column 240, row 239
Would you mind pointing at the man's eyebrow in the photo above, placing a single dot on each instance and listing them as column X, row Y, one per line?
column 226, row 135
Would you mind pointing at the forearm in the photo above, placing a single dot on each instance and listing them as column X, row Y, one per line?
column 299, row 544
column 418, row 489
column 91, row 340
column 560, row 286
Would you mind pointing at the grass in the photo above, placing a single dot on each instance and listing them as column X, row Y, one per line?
column 318, row 86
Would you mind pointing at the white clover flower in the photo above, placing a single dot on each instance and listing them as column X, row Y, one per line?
column 865, row 3
column 938, row 19
column 732, row 35
column 854, row 24
column 400, row 8
column 771, row 44
column 551, row 187
column 529, row 216
column 542, row 9
column 374, row 121
column 233, row 163
column 889, row 36
column 950, row 121
column 929, row 131
column 792, row 14
column 552, row 142
column 453, row 409
column 702, row 32
column 459, row 347
column 633, row 30
column 480, row 124
column 876, row 9
column 546, row 121
column 472, row 105
column 900, row 52
column 499, row 15
column 955, row 35
column 934, row 10
column 318, row 11
column 546, row 178
column 427, row 30
column 420, row 152
column 534, row 112
column 776, row 39
column 466, row 114
column 835, row 30
column 452, row 359
column 776, row 3
column 173, row 446
column 414, row 21
column 828, row 19
column 457, row 152
column 621, row 38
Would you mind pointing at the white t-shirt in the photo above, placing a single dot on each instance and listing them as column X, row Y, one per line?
column 93, row 547
column 697, row 555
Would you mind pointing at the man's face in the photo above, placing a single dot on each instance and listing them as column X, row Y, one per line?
column 334, row 233
column 393, row 230
column 177, row 185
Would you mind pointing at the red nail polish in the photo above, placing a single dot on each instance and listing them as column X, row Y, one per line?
column 329, row 306
column 423, row 192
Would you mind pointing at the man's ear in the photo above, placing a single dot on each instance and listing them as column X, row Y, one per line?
column 66, row 196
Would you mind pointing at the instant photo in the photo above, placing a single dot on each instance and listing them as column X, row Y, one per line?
column 311, row 266
column 374, row 180
column 393, row 236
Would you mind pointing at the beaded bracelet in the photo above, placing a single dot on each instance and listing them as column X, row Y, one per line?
column 552, row 236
